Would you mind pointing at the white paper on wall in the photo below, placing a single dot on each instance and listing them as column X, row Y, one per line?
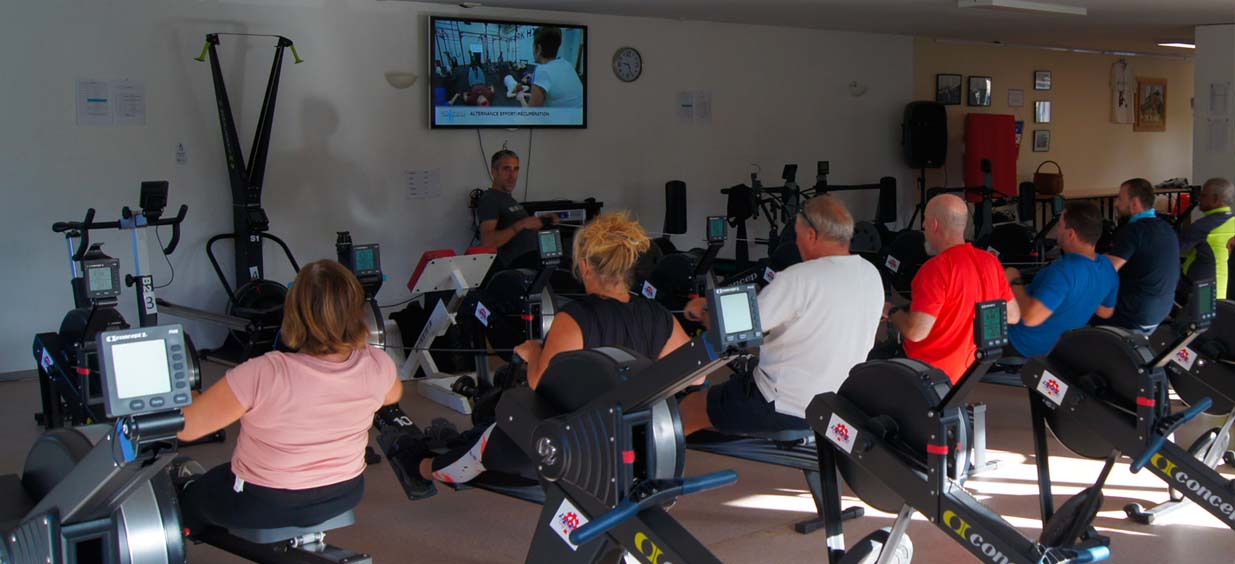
column 129, row 99
column 703, row 107
column 686, row 107
column 93, row 102
column 422, row 184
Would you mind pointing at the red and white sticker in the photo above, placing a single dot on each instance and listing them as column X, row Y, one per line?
column 566, row 520
column 482, row 313
column 841, row 433
column 893, row 264
column 1186, row 357
column 649, row 291
column 769, row 274
column 45, row 360
column 1052, row 388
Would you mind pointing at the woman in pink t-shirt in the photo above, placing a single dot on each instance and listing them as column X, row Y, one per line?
column 304, row 416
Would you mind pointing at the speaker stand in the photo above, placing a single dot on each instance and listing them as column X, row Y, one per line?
column 920, row 209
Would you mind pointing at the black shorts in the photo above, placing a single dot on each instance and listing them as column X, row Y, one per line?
column 737, row 407
column 211, row 500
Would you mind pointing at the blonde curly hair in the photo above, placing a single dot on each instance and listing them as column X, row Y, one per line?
column 611, row 244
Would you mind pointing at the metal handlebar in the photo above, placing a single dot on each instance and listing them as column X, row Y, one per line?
column 664, row 489
column 85, row 226
column 1159, row 439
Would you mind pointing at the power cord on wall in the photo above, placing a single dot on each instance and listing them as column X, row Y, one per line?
column 527, row 180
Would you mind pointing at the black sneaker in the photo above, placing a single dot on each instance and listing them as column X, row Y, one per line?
column 441, row 431
column 405, row 452
column 183, row 471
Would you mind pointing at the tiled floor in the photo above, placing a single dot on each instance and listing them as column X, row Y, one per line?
column 750, row 521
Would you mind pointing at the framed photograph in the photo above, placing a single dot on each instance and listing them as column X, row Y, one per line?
column 1042, row 111
column 1041, row 140
column 1150, row 104
column 948, row 89
column 1042, row 80
column 979, row 91
column 1016, row 98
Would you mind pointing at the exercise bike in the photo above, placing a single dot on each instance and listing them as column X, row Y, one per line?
column 890, row 432
column 69, row 380
column 603, row 433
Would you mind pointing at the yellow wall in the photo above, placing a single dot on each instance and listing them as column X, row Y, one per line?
column 1095, row 154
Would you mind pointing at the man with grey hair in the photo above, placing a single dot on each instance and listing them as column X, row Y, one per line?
column 819, row 317
column 938, row 324
column 1202, row 245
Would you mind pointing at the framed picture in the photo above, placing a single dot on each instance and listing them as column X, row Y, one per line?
column 1016, row 98
column 1042, row 80
column 948, row 89
column 1041, row 140
column 1042, row 111
column 1150, row 104
column 979, row 91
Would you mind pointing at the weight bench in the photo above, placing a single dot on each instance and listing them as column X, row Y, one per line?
column 301, row 545
column 790, row 448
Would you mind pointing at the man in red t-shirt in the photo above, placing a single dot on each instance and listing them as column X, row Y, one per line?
column 938, row 326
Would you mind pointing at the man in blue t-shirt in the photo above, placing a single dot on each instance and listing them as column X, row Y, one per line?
column 1146, row 255
column 1064, row 295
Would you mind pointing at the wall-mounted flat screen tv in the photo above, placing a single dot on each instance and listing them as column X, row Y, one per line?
column 492, row 73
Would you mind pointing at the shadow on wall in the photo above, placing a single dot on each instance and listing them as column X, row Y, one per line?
column 315, row 190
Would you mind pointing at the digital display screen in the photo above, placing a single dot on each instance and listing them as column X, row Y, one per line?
column 1205, row 292
column 716, row 228
column 992, row 324
column 363, row 259
column 100, row 279
column 140, row 369
column 548, row 243
column 735, row 312
column 489, row 73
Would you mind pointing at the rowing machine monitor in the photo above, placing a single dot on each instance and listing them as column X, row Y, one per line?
column 717, row 230
column 145, row 370
column 1203, row 304
column 734, row 313
column 102, row 276
column 789, row 173
column 549, row 243
column 366, row 260
column 990, row 325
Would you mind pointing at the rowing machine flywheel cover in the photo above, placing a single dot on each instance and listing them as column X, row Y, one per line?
column 1104, row 362
column 1214, row 348
column 904, row 391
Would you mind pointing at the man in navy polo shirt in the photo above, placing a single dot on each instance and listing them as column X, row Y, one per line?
column 1064, row 295
column 1146, row 254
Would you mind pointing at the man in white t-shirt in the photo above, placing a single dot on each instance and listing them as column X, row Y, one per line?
column 555, row 84
column 819, row 318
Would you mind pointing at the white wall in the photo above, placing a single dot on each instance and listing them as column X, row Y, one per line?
column 341, row 134
column 1215, row 64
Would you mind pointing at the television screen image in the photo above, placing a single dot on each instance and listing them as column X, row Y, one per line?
column 489, row 73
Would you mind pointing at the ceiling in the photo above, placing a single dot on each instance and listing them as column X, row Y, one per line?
column 1119, row 25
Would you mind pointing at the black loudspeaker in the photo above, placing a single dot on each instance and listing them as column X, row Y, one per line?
column 675, row 207
column 1026, row 199
column 924, row 134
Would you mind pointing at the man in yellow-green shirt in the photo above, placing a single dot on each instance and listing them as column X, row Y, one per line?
column 1202, row 245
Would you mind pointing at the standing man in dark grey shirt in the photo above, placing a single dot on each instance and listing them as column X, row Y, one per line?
column 504, row 223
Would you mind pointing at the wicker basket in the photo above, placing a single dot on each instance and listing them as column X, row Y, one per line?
column 1049, row 183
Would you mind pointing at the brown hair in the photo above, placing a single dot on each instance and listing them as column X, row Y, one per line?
column 611, row 244
column 324, row 312
column 1085, row 219
column 1142, row 190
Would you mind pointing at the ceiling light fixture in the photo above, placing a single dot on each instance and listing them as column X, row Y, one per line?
column 1024, row 6
column 1179, row 45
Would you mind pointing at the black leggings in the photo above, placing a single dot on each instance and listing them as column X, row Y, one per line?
column 211, row 500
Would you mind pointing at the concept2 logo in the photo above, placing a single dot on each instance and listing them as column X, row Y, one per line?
column 1186, row 482
column 649, row 550
column 961, row 527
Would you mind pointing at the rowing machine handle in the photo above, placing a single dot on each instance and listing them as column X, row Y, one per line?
column 1076, row 555
column 83, row 243
column 627, row 508
column 1160, row 438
